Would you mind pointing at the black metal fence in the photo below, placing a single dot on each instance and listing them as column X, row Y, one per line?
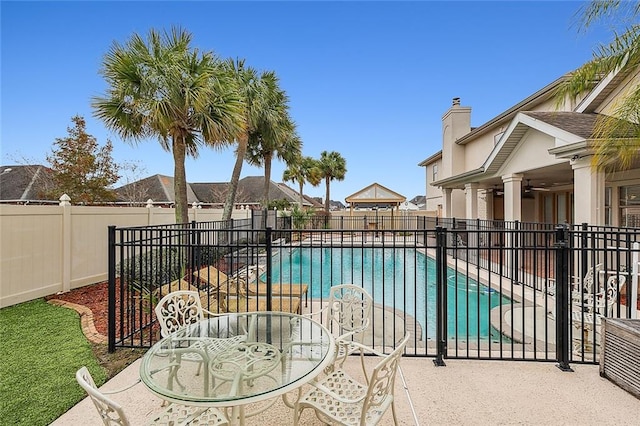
column 463, row 289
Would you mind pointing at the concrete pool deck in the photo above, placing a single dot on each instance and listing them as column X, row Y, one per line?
column 465, row 392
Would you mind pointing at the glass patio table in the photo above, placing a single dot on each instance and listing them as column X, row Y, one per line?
column 233, row 360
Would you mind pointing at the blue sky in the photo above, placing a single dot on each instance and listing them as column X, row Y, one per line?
column 370, row 80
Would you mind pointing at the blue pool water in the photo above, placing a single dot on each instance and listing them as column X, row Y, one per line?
column 402, row 278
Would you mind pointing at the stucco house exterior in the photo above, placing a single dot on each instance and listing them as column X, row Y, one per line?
column 532, row 162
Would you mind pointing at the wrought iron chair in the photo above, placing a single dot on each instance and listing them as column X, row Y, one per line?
column 112, row 412
column 183, row 308
column 348, row 315
column 604, row 300
column 581, row 288
column 339, row 398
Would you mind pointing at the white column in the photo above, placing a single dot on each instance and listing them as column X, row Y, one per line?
column 446, row 202
column 588, row 192
column 512, row 196
column 471, row 200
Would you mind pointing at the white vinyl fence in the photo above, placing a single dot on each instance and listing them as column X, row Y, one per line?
column 50, row 249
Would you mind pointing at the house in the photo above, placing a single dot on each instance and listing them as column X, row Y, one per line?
column 25, row 183
column 532, row 162
column 159, row 189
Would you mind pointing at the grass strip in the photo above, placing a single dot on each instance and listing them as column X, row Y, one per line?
column 41, row 347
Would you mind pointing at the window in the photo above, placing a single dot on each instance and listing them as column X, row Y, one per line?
column 630, row 206
column 435, row 173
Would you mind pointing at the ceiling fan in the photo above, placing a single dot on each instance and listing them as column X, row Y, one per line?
column 527, row 189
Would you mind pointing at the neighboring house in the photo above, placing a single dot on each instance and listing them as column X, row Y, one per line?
column 532, row 162
column 420, row 201
column 22, row 184
column 159, row 189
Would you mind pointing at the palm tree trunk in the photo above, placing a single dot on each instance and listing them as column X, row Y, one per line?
column 243, row 141
column 301, row 196
column 180, row 180
column 326, row 201
column 267, row 178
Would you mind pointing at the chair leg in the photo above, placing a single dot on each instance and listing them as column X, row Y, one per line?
column 393, row 412
column 296, row 414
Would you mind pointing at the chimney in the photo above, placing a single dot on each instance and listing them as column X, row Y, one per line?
column 456, row 102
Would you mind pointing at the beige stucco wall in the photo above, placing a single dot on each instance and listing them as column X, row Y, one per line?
column 531, row 153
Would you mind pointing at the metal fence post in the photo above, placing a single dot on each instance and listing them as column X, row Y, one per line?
column 111, row 312
column 441, row 296
column 269, row 249
column 562, row 298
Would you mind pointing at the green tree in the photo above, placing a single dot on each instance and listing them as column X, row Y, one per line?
column 259, row 92
column 81, row 168
column 277, row 140
column 162, row 88
column 332, row 167
column 301, row 171
column 616, row 138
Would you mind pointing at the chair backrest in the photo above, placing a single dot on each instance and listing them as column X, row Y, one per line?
column 349, row 310
column 606, row 299
column 381, row 384
column 177, row 310
column 110, row 411
column 589, row 277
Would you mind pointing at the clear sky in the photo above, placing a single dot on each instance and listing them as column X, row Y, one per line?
column 370, row 80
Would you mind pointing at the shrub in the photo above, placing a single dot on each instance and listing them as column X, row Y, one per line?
column 146, row 271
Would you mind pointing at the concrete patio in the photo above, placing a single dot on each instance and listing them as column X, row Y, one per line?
column 465, row 392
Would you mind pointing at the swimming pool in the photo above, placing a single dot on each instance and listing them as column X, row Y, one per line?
column 400, row 278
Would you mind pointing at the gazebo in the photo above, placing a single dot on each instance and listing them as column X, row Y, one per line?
column 375, row 197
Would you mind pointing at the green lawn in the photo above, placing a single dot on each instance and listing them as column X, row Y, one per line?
column 41, row 347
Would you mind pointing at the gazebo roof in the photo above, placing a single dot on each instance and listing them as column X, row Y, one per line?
column 376, row 194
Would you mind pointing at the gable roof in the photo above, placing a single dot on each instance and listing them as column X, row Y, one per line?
column 23, row 183
column 158, row 188
column 375, row 193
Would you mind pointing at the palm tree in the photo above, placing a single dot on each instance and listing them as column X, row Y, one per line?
column 162, row 88
column 616, row 137
column 275, row 136
column 302, row 170
column 258, row 92
column 332, row 167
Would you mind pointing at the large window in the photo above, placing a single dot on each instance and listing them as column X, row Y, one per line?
column 630, row 206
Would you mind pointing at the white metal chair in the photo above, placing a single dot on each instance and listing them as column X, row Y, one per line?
column 348, row 314
column 604, row 300
column 177, row 310
column 183, row 308
column 112, row 412
column 339, row 398
column 581, row 288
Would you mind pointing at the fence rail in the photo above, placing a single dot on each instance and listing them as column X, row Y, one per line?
column 463, row 289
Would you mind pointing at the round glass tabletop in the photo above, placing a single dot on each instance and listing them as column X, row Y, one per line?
column 236, row 359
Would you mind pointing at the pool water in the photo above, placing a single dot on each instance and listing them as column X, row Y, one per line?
column 400, row 278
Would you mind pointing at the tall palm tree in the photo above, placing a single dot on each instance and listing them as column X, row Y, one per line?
column 302, row 170
column 278, row 140
column 161, row 87
column 616, row 138
column 256, row 90
column 332, row 167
